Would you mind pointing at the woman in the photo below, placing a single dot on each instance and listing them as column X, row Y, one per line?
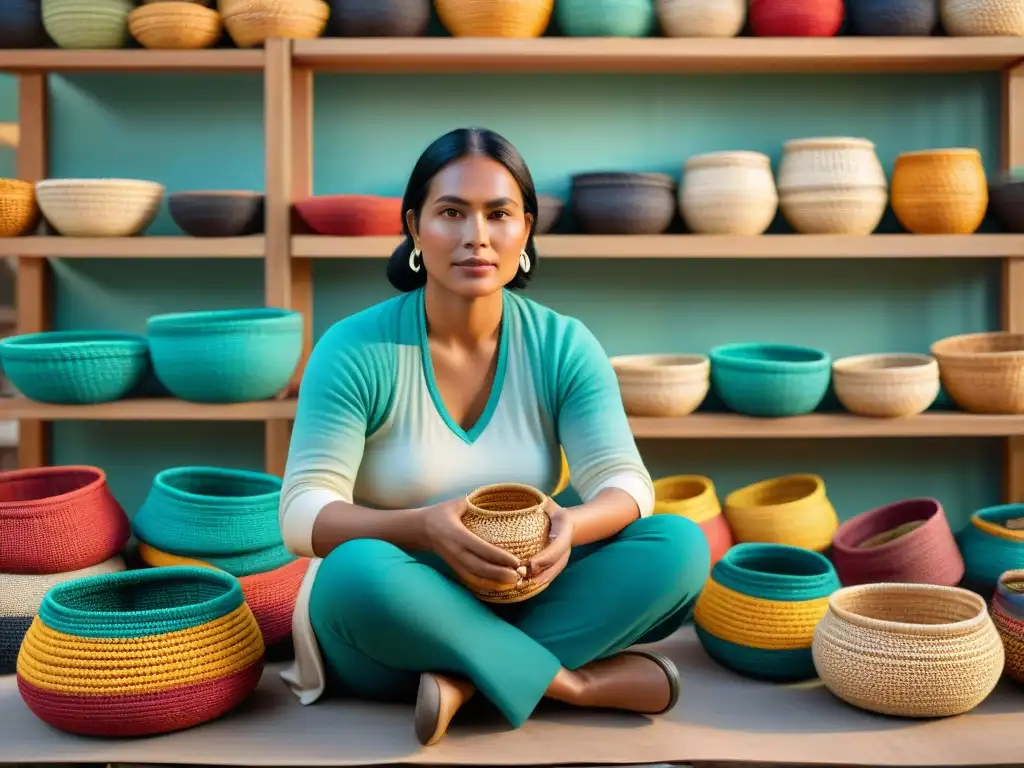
column 409, row 405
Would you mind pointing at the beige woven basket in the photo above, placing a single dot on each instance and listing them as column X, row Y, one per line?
column 21, row 594
column 912, row 650
column 983, row 372
column 728, row 193
column 175, row 26
column 251, row 22
column 886, row 386
column 662, row 385
column 19, row 212
column 701, row 18
column 99, row 207
column 495, row 18
column 983, row 18
column 511, row 516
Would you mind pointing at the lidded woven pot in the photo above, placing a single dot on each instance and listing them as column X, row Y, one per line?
column 982, row 18
column 511, row 516
column 940, row 191
column 728, row 193
column 910, row 650
column 832, row 186
column 494, row 18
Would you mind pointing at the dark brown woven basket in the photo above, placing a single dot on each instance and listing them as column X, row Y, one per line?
column 378, row 18
column 623, row 203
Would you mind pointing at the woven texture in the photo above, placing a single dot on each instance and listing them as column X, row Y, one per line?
column 19, row 212
column 908, row 541
column 1007, row 611
column 623, row 203
column 770, row 380
column 982, row 18
column 252, row 22
column 141, row 652
column 939, row 192
column 87, row 23
column 724, row 193
column 983, row 372
column 990, row 548
column 702, row 18
column 758, row 610
column 175, row 26
column 494, row 18
column 99, row 207
column 694, row 497
column 605, row 18
column 662, row 385
column 886, row 386
column 792, row 509
column 58, row 519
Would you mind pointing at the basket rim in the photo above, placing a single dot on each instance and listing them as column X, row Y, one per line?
column 718, row 157
column 642, row 363
column 818, row 491
column 99, row 182
column 725, row 355
column 917, row 364
column 99, row 479
column 222, row 319
column 852, row 547
column 936, row 348
column 540, row 496
column 706, row 484
column 980, row 616
column 939, row 151
column 164, row 477
column 829, row 142
column 54, row 340
column 994, row 515
column 739, row 556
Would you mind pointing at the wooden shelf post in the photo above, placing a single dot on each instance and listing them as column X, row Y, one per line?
column 1013, row 268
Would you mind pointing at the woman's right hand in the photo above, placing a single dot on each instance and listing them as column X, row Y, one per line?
column 475, row 561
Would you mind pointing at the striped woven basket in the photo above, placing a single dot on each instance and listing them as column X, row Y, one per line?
column 20, row 598
column 116, row 655
column 790, row 510
column 694, row 497
column 58, row 519
column 991, row 545
column 1008, row 615
column 757, row 612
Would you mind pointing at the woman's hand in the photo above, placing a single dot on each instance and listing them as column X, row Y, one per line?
column 548, row 563
column 475, row 561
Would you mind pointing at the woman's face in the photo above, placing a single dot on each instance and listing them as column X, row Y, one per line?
column 472, row 227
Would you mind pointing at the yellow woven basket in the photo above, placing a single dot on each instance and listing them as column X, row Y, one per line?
column 495, row 18
column 692, row 496
column 983, row 372
column 250, row 23
column 19, row 212
column 175, row 26
column 792, row 509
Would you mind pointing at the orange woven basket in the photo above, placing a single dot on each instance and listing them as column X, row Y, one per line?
column 19, row 212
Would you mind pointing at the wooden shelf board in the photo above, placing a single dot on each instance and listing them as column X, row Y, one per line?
column 425, row 55
column 152, row 409
column 249, row 247
column 130, row 61
column 707, row 246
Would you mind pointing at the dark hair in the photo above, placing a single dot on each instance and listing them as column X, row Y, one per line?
column 447, row 149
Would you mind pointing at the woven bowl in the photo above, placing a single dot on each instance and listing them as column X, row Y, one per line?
column 250, row 23
column 494, row 18
column 940, row 191
column 795, row 18
column 378, row 18
column 605, row 18
column 701, row 18
column 792, row 509
column 694, row 497
column 99, row 207
column 623, row 203
column 982, row 18
column 662, row 385
column 115, row 655
column 175, row 26
column 892, row 18
column 20, row 598
column 1007, row 612
column 992, row 543
column 220, row 213
column 983, row 372
column 85, row 24
column 513, row 517
column 1006, row 201
column 907, row 541
column 549, row 212
column 75, row 367
column 886, row 386
column 226, row 356
column 728, row 193
column 910, row 650
column 770, row 380
column 352, row 215
column 757, row 612
column 19, row 212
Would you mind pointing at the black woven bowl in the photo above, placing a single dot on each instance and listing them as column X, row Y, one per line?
column 221, row 213
column 378, row 18
column 1006, row 199
column 623, row 203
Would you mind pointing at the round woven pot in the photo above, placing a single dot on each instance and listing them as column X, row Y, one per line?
column 908, row 541
column 1007, row 612
column 605, row 18
column 792, row 510
column 351, row 215
column 87, row 24
column 983, row 372
column 694, row 497
column 378, row 18
column 892, row 18
column 623, row 203
column 250, row 23
column 886, row 386
column 728, row 193
column 662, row 385
column 115, row 655
column 982, row 18
column 911, row 650
column 221, row 213
column 58, row 519
column 939, row 191
column 511, row 516
column 701, row 18
column 19, row 212
column 991, row 544
column 1006, row 201
column 22, row 24
column 795, row 18
column 99, row 207
column 494, row 18
column 175, row 26
column 20, row 598
column 770, row 380
column 757, row 611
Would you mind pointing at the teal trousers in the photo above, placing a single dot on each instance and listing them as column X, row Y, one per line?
column 382, row 616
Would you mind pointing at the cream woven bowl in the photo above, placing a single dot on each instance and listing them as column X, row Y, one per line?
column 99, row 207
column 886, row 386
column 662, row 385
column 912, row 650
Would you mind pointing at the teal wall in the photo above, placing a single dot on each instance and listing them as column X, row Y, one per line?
column 202, row 132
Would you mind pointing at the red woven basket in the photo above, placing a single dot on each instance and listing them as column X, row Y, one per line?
column 925, row 554
column 58, row 519
column 352, row 215
column 795, row 18
column 272, row 597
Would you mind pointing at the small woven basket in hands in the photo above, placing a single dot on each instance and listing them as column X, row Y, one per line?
column 510, row 516
column 983, row 372
column 910, row 650
column 1008, row 615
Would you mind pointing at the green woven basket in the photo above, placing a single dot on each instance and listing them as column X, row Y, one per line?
column 87, row 24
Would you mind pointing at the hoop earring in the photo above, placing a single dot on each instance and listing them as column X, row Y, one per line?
column 414, row 264
column 524, row 261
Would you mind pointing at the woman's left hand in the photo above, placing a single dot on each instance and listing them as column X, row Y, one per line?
column 549, row 562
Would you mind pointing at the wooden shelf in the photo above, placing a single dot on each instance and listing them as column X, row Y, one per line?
column 426, row 55
column 249, row 247
column 154, row 409
column 707, row 247
column 130, row 61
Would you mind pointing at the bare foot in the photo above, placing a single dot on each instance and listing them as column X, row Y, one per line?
column 637, row 681
column 437, row 701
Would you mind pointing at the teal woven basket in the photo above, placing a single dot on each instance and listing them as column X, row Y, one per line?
column 770, row 380
column 226, row 356
column 605, row 18
column 989, row 548
column 75, row 367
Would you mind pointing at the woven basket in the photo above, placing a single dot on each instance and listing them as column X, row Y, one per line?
column 983, row 372
column 513, row 517
column 19, row 212
column 75, row 367
column 116, row 655
column 58, row 519
column 912, row 650
column 250, row 23
column 494, row 18
column 940, row 191
column 792, row 509
column 908, row 541
column 728, row 193
column 351, row 215
column 226, row 356
column 84, row 24
column 990, row 546
column 99, row 207
column 175, row 26
column 605, row 18
column 20, row 598
column 1007, row 612
column 757, row 611
column 694, row 497
column 620, row 203
column 662, row 385
column 886, row 386
column 982, row 18
column 701, row 18
column 770, row 380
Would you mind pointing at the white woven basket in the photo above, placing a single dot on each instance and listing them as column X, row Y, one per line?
column 99, row 207
column 886, row 386
column 662, row 385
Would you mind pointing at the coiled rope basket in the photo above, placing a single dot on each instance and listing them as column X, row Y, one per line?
column 1007, row 611
column 140, row 653
column 694, row 497
column 911, row 650
column 792, row 509
column 991, row 546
